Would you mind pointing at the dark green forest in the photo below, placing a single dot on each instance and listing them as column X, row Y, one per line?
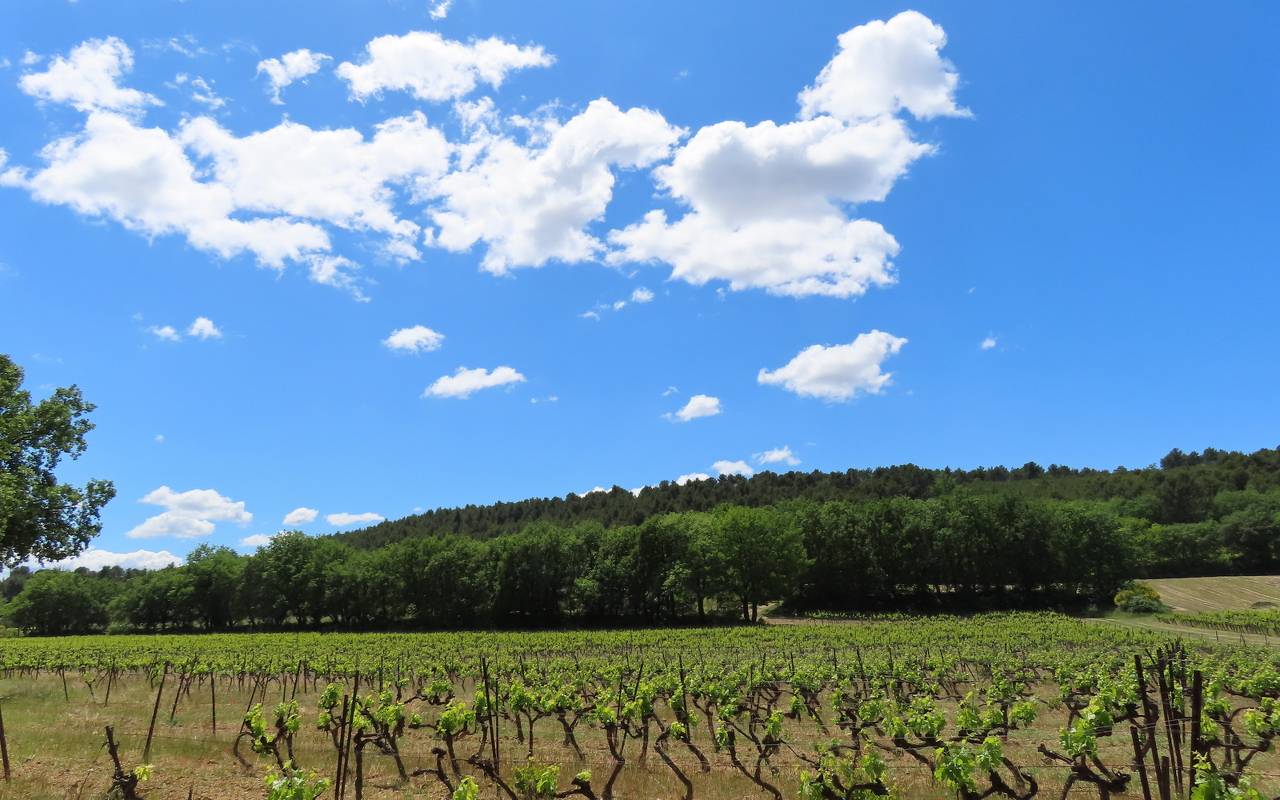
column 892, row 538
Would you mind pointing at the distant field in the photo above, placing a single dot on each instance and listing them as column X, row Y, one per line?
column 1212, row 594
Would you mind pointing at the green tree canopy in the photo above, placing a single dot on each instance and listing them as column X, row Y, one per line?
column 40, row 517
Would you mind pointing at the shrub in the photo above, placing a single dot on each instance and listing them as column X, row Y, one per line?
column 1138, row 598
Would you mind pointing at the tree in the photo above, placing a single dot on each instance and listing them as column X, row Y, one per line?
column 39, row 517
column 763, row 553
column 55, row 602
column 215, row 578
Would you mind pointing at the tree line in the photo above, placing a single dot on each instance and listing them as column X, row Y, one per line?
column 1187, row 501
column 961, row 551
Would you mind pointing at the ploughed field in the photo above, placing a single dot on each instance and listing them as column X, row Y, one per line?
column 999, row 705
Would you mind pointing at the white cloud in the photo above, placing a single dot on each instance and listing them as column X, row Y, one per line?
column 142, row 178
column 172, row 523
column 778, row 455
column 439, row 9
column 700, row 405
column 725, row 467
column 301, row 516
column 989, row 343
column 334, row 176
column 884, row 67
column 531, row 203
column 593, row 315
column 203, row 328
column 433, row 68
column 165, row 332
column 593, row 490
column 465, row 382
column 95, row 559
column 414, row 339
column 767, row 204
column 265, row 193
column 87, row 78
column 641, row 295
column 202, row 91
column 670, row 390
column 30, row 59
column 338, row 272
column 159, row 438
column 188, row 515
column 692, row 476
column 838, row 372
column 288, row 68
column 766, row 207
column 343, row 519
column 256, row 540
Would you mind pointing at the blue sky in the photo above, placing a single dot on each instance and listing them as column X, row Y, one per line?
column 840, row 238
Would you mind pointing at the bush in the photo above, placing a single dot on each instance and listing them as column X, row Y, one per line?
column 1138, row 598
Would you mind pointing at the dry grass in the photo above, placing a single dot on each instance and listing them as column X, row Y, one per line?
column 57, row 753
column 1193, row 595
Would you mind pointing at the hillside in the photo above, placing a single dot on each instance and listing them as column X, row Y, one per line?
column 1184, row 488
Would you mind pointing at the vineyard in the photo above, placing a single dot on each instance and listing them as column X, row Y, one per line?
column 1008, row 706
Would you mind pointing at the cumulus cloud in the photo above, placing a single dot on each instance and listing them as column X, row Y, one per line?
column 289, row 68
column 95, row 559
column 465, row 382
column 883, row 67
column 778, row 455
column 87, row 78
column 203, row 328
column 256, row 540
column 530, row 203
column 838, row 372
column 334, row 176
column 414, row 339
column 641, row 295
column 433, row 68
column 439, row 9
column 269, row 194
column 726, row 467
column 190, row 514
column 700, row 405
column 343, row 518
column 766, row 204
column 166, row 332
column 301, row 516
column 989, row 343
column 142, row 178
column 692, row 476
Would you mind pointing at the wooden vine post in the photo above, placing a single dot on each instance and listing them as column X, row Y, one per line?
column 155, row 711
column 4, row 747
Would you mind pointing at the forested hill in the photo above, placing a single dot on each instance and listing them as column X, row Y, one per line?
column 1181, row 489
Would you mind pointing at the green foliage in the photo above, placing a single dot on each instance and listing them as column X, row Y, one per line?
column 292, row 784
column 887, row 539
column 1139, row 598
column 467, row 789
column 1210, row 785
column 55, row 602
column 40, row 517
column 537, row 782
